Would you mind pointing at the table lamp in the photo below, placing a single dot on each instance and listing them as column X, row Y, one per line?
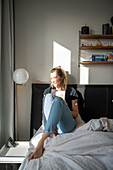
column 20, row 77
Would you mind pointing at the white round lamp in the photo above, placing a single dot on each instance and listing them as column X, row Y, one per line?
column 20, row 76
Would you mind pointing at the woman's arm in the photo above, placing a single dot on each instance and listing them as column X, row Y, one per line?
column 74, row 111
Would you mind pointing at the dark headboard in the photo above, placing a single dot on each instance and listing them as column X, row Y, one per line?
column 94, row 101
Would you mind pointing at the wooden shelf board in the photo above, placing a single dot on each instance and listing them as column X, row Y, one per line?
column 95, row 47
column 96, row 36
column 96, row 62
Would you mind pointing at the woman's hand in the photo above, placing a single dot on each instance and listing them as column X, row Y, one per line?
column 37, row 153
column 74, row 111
column 53, row 91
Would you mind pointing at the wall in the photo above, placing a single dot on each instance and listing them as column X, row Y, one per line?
column 37, row 24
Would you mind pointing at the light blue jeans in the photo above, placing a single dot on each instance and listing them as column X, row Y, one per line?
column 56, row 114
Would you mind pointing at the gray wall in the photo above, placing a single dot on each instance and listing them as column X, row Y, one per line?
column 40, row 22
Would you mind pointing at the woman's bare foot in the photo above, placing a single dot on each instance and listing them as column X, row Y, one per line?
column 38, row 152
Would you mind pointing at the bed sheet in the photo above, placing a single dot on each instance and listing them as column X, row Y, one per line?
column 88, row 147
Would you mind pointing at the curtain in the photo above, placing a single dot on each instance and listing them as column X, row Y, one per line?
column 6, row 70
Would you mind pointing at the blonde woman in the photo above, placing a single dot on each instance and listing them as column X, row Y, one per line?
column 58, row 113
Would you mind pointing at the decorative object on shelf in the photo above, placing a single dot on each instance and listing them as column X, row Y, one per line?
column 99, row 44
column 111, row 30
column 105, row 29
column 110, row 57
column 85, row 30
column 20, row 77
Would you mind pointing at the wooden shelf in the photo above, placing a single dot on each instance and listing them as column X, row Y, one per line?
column 96, row 36
column 95, row 47
column 96, row 62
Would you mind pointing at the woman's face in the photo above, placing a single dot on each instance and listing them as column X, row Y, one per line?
column 56, row 80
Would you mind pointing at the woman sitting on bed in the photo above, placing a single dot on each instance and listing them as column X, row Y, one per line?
column 58, row 113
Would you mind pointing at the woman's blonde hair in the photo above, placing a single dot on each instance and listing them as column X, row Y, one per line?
column 62, row 74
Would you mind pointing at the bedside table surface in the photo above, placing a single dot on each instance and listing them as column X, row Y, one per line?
column 14, row 154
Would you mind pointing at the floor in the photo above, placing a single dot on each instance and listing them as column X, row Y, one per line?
column 9, row 166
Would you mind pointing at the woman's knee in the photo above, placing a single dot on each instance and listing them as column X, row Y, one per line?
column 48, row 98
column 58, row 100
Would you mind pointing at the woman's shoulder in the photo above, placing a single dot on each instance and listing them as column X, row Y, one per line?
column 71, row 91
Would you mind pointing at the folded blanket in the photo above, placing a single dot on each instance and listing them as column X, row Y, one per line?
column 102, row 124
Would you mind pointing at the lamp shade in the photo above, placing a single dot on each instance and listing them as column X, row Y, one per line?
column 20, row 76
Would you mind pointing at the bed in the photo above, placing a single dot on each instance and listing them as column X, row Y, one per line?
column 90, row 146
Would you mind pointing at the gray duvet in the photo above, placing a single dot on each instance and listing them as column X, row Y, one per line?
column 89, row 147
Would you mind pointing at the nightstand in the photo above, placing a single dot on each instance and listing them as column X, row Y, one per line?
column 13, row 155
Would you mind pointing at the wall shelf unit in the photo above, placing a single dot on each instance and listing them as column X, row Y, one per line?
column 96, row 62
column 99, row 47
column 96, row 47
column 96, row 36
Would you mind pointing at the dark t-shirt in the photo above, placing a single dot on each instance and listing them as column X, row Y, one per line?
column 71, row 94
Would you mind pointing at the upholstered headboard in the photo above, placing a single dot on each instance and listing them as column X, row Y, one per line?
column 94, row 101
